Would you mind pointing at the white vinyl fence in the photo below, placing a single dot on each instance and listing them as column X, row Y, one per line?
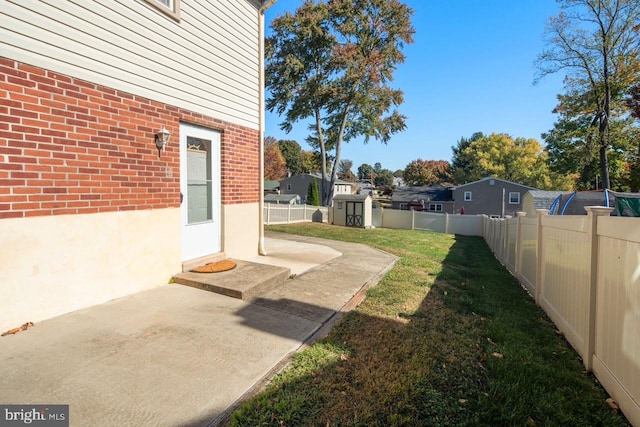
column 468, row 225
column 584, row 271
column 288, row 214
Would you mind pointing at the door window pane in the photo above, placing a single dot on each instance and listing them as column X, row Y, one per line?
column 199, row 181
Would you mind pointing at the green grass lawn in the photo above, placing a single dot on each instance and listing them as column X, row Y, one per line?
column 448, row 337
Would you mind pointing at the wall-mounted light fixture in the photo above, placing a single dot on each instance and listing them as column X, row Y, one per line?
column 162, row 138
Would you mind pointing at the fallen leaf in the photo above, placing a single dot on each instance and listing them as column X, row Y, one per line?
column 25, row 326
column 612, row 404
column 446, row 293
column 11, row 332
column 463, row 401
column 558, row 332
column 531, row 422
column 484, row 358
column 344, row 357
column 491, row 341
column 498, row 355
column 483, row 318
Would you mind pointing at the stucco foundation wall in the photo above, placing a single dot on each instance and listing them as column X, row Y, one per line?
column 240, row 230
column 53, row 265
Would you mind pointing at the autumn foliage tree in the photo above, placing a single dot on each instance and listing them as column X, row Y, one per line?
column 597, row 44
column 427, row 172
column 274, row 163
column 332, row 62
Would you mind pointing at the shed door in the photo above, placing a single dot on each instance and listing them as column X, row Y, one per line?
column 200, row 188
column 355, row 212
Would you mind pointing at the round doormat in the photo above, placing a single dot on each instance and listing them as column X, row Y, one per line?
column 215, row 267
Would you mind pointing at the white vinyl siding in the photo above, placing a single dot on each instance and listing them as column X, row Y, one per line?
column 207, row 62
column 170, row 7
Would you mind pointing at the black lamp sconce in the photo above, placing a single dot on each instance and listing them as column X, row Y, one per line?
column 162, row 138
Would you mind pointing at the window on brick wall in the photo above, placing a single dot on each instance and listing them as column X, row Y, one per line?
column 170, row 7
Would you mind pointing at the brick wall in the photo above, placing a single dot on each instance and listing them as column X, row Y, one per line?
column 68, row 146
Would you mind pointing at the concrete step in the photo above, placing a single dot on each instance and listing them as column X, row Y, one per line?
column 247, row 281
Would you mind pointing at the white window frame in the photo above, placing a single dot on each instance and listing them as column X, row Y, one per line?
column 339, row 205
column 168, row 7
column 467, row 196
column 435, row 207
column 511, row 194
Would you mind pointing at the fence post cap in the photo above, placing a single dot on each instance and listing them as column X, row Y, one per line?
column 598, row 210
column 542, row 211
column 520, row 213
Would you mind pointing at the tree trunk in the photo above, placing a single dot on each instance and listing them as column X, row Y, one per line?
column 604, row 164
column 323, row 154
column 604, row 146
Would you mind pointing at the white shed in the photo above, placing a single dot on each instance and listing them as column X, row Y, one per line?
column 352, row 210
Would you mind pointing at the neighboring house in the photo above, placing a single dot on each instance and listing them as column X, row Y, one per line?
column 398, row 182
column 435, row 199
column 299, row 184
column 538, row 199
column 365, row 187
column 283, row 199
column 271, row 187
column 90, row 208
column 494, row 197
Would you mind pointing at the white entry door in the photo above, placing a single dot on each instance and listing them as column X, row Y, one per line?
column 200, row 190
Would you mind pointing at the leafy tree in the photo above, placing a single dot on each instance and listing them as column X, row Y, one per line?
column 460, row 166
column 344, row 170
column 571, row 151
column 633, row 101
column 427, row 172
column 313, row 198
column 311, row 162
column 384, row 178
column 519, row 160
column 633, row 105
column 365, row 171
column 573, row 148
column 292, row 153
column 332, row 62
column 274, row 164
column 399, row 173
column 596, row 42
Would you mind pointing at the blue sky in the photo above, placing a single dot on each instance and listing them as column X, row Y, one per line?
column 470, row 69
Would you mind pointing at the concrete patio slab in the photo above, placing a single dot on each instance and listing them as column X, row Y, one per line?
column 180, row 356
